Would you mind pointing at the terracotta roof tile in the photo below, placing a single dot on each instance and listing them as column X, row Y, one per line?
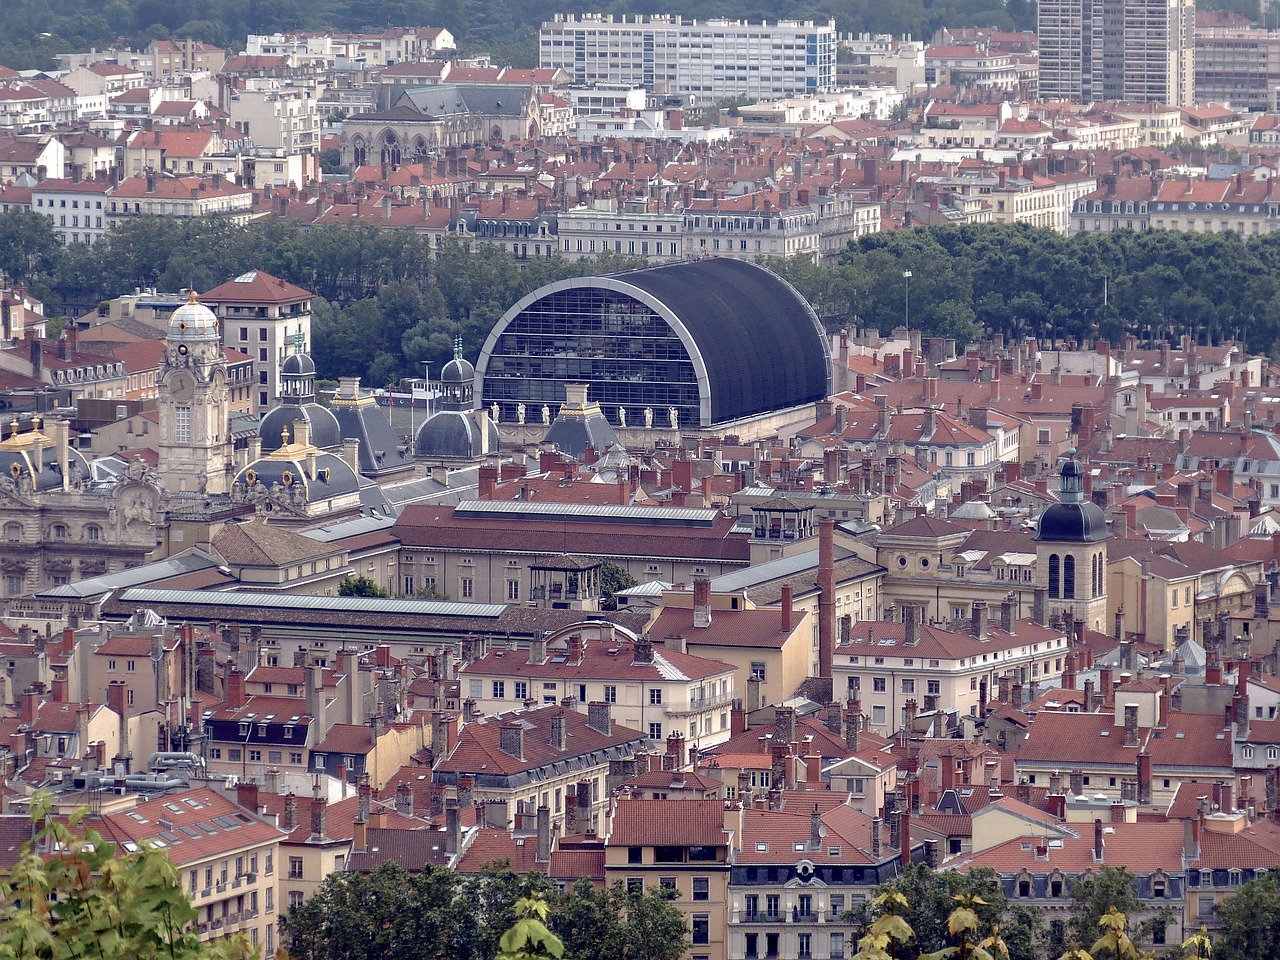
column 668, row 823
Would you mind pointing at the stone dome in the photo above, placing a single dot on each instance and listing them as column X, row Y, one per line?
column 192, row 321
column 454, row 435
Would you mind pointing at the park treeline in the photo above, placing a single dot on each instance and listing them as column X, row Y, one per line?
column 388, row 300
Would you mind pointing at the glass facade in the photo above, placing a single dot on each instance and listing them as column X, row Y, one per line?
column 620, row 347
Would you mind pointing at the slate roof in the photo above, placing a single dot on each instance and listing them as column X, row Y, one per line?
column 599, row 664
column 761, row 342
column 414, row 850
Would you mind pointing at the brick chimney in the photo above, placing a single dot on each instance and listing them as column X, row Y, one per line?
column 235, row 689
column 247, row 795
column 701, row 602
column 826, row 597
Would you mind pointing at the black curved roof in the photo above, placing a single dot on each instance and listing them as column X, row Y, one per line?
column 379, row 443
column 1073, row 523
column 763, row 348
column 297, row 365
column 453, row 434
column 325, row 432
column 340, row 477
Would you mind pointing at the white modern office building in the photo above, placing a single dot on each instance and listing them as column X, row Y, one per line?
column 704, row 60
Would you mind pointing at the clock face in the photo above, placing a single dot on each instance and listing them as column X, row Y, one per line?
column 182, row 388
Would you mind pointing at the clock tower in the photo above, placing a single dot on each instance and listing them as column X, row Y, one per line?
column 195, row 446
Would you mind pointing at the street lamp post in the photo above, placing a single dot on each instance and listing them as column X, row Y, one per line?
column 906, row 298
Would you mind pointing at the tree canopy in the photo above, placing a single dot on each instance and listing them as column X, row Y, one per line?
column 388, row 302
column 390, row 914
column 1251, row 921
column 33, row 32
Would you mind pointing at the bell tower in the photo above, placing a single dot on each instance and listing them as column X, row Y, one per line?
column 195, row 445
column 1071, row 551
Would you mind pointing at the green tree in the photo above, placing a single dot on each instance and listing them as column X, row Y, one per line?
column 604, row 924
column 528, row 938
column 360, row 587
column 1111, row 888
column 1251, row 921
column 388, row 914
column 613, row 578
column 930, row 898
column 889, row 932
column 74, row 895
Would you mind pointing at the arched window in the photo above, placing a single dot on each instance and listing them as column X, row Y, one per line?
column 1055, row 589
column 12, row 532
column 58, row 531
column 93, row 532
column 1069, row 578
column 359, row 152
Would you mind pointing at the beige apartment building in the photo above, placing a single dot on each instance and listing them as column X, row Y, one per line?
column 656, row 690
column 686, row 846
column 895, row 669
column 226, row 860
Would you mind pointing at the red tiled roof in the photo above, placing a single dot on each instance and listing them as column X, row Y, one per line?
column 576, row 864
column 347, row 738
column 667, row 823
column 491, row 846
column 598, row 663
column 256, row 286
column 422, row 525
column 479, row 750
column 728, row 628
column 1138, row 847
column 233, row 828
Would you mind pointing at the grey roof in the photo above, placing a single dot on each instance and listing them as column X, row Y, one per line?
column 762, row 344
column 450, row 99
column 764, row 572
column 324, row 430
column 601, row 513
column 333, row 476
column 461, row 485
column 380, row 445
column 572, row 432
column 348, row 528
column 271, row 601
column 453, row 435
column 146, row 573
